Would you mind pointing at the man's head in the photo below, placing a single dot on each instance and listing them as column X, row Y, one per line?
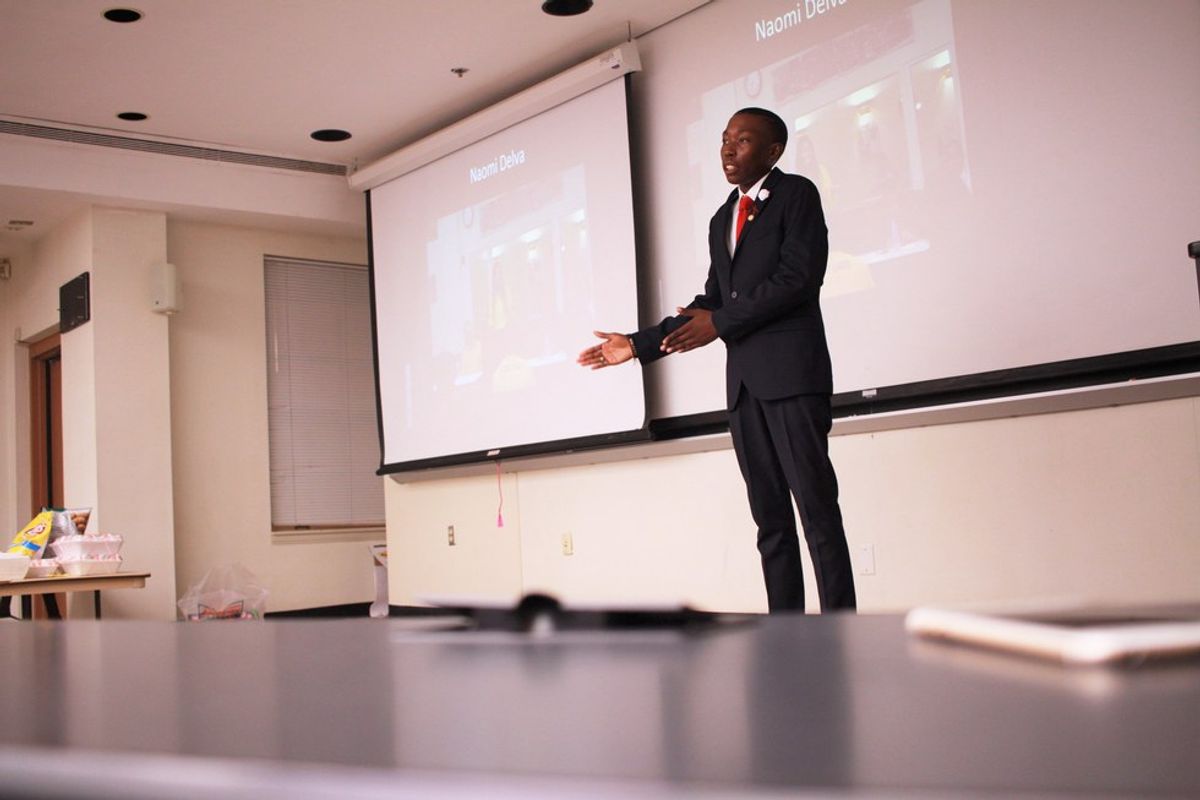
column 751, row 144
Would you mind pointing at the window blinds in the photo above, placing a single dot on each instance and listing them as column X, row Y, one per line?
column 324, row 440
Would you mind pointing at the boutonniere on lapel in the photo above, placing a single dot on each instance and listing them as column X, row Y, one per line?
column 760, row 200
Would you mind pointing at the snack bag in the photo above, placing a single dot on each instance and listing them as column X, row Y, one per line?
column 31, row 540
column 69, row 522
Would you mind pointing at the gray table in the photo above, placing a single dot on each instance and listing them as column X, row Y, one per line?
column 366, row 708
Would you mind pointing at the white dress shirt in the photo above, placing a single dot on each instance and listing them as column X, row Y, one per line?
column 733, row 222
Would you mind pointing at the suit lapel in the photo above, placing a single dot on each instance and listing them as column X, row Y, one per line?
column 767, row 186
column 724, row 220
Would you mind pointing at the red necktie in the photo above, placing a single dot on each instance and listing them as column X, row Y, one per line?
column 745, row 208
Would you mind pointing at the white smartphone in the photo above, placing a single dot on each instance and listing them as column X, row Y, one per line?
column 1088, row 635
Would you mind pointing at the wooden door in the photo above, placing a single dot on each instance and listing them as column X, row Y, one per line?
column 46, row 452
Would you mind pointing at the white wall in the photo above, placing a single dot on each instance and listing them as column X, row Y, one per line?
column 14, row 483
column 115, row 409
column 31, row 305
column 130, row 466
column 219, row 420
column 60, row 256
column 1099, row 504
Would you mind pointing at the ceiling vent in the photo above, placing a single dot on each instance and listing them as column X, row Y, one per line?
column 168, row 148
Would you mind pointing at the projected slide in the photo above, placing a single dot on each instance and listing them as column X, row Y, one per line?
column 875, row 123
column 981, row 166
column 507, row 276
column 492, row 267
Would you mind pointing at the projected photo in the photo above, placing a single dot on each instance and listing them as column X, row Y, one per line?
column 505, row 275
column 876, row 124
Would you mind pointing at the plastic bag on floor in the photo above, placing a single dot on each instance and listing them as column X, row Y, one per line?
column 227, row 591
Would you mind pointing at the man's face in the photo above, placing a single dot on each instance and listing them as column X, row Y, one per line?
column 747, row 152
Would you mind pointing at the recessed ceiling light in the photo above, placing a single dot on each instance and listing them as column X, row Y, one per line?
column 132, row 116
column 330, row 135
column 566, row 8
column 122, row 15
column 460, row 71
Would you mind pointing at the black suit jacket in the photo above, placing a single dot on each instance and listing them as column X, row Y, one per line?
column 765, row 298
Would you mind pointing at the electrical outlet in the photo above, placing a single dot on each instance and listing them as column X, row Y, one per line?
column 568, row 544
column 866, row 559
column 450, row 535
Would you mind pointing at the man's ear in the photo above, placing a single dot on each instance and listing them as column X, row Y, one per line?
column 775, row 151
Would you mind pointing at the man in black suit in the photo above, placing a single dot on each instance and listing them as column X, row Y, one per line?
column 768, row 246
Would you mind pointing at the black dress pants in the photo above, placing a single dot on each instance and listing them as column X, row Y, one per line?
column 782, row 448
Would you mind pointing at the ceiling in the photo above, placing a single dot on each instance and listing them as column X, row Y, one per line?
column 259, row 76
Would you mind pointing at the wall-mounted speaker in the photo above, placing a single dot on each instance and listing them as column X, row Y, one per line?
column 165, row 298
column 74, row 303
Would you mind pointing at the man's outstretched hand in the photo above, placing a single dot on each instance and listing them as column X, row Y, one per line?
column 615, row 349
column 696, row 332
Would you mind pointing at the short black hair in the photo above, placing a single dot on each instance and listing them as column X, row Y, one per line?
column 779, row 129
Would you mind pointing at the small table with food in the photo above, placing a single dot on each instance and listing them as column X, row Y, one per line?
column 81, row 562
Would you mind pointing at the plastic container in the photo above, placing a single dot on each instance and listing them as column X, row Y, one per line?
column 43, row 568
column 84, row 567
column 101, row 545
column 13, row 567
